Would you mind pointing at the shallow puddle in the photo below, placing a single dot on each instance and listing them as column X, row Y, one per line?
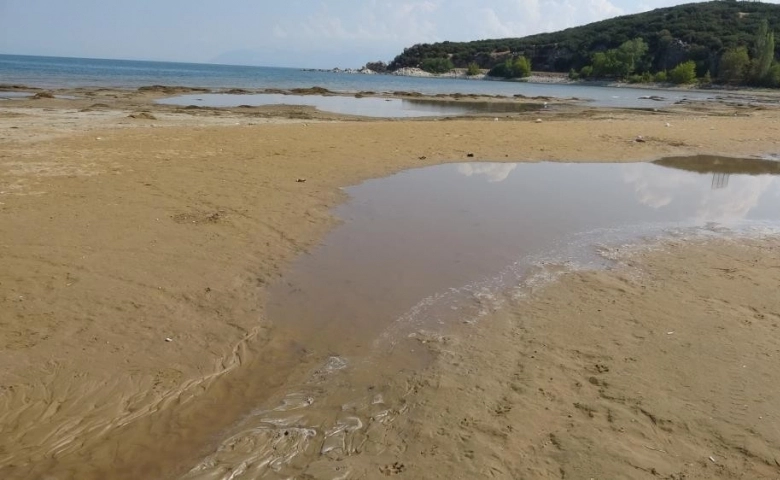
column 428, row 247
column 14, row 95
column 363, row 106
column 459, row 233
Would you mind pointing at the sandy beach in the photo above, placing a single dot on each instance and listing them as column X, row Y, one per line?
column 138, row 242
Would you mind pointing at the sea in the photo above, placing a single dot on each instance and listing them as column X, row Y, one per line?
column 61, row 72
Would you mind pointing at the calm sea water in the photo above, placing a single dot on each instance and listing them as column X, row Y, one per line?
column 56, row 72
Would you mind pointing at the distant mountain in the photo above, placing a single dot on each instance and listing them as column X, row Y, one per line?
column 698, row 31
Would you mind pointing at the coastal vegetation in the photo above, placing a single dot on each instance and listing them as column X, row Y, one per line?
column 727, row 42
column 517, row 67
column 437, row 65
column 473, row 69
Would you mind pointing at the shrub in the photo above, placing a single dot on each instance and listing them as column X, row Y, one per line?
column 499, row 70
column 661, row 77
column 734, row 64
column 634, row 79
column 586, row 71
column 706, row 79
column 437, row 65
column 773, row 77
column 683, row 73
column 519, row 67
column 646, row 77
column 473, row 69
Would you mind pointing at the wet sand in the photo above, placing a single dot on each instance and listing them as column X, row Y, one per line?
column 664, row 367
column 136, row 254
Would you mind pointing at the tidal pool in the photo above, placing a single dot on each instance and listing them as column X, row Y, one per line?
column 346, row 105
column 427, row 247
column 12, row 95
column 442, row 242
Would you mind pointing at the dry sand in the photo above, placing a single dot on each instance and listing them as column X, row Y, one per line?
column 134, row 258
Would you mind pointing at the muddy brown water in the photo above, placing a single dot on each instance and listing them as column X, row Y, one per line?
column 416, row 252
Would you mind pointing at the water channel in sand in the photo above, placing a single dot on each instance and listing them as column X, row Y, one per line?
column 425, row 248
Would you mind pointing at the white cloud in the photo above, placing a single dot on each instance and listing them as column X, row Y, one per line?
column 661, row 188
column 734, row 202
column 292, row 32
column 494, row 172
column 401, row 25
column 279, row 32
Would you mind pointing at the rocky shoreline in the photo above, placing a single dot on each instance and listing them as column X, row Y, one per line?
column 459, row 73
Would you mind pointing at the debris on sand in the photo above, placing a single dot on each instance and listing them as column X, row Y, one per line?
column 142, row 116
column 41, row 95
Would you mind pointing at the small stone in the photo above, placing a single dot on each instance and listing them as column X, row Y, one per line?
column 538, row 120
column 168, row 339
column 301, row 180
column 470, row 155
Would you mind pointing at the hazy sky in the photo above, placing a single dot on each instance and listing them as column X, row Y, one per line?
column 300, row 33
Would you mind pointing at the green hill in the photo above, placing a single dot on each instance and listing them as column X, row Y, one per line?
column 700, row 32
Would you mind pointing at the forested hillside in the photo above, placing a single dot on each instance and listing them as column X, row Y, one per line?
column 697, row 32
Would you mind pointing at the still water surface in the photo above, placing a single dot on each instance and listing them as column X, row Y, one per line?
column 427, row 247
column 478, row 227
column 365, row 106
column 58, row 72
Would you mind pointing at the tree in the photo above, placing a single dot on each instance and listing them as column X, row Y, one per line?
column 734, row 64
column 605, row 64
column 764, row 54
column 378, row 67
column 620, row 62
column 473, row 69
column 683, row 73
column 629, row 55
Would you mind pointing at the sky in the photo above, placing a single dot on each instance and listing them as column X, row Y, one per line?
column 286, row 33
